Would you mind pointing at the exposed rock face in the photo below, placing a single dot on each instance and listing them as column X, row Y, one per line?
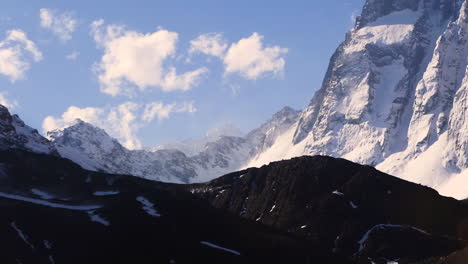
column 14, row 134
column 350, row 209
column 395, row 88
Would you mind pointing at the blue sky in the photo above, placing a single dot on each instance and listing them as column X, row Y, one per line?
column 296, row 40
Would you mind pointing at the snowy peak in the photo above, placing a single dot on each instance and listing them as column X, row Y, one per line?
column 394, row 95
column 374, row 9
column 285, row 113
column 15, row 134
column 82, row 135
column 221, row 151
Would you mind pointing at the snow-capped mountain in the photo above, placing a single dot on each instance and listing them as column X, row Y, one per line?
column 93, row 149
column 15, row 134
column 395, row 96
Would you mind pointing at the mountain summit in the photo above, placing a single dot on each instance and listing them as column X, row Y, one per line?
column 394, row 95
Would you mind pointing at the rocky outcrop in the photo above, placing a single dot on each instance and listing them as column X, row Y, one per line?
column 350, row 209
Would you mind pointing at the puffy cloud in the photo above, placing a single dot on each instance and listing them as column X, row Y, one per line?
column 210, row 44
column 16, row 52
column 61, row 24
column 11, row 104
column 121, row 122
column 249, row 58
column 132, row 59
column 162, row 111
column 72, row 56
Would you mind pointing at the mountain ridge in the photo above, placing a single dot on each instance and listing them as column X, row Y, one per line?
column 394, row 88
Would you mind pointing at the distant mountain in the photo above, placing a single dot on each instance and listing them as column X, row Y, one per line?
column 395, row 96
column 351, row 210
column 193, row 147
column 94, row 149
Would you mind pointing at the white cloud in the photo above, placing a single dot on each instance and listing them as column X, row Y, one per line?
column 132, row 59
column 72, row 56
column 10, row 104
column 14, row 51
column 249, row 58
column 61, row 24
column 162, row 111
column 210, row 44
column 121, row 122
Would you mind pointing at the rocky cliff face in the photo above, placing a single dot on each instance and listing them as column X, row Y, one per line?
column 394, row 88
column 350, row 209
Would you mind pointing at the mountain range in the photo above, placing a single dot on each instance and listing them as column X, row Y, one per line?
column 394, row 97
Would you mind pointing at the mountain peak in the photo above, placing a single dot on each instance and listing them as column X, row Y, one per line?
column 394, row 95
column 285, row 111
column 374, row 9
column 15, row 134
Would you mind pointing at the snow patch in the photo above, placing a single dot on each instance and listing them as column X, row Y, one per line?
column 22, row 234
column 47, row 244
column 272, row 208
column 220, row 248
column 338, row 193
column 49, row 204
column 148, row 206
column 105, row 193
column 97, row 218
column 392, row 29
column 42, row 194
column 363, row 240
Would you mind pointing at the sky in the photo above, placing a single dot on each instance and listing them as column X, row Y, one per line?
column 150, row 72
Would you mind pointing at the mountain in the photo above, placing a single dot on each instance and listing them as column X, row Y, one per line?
column 394, row 96
column 94, row 149
column 351, row 210
column 14, row 133
column 53, row 211
column 305, row 210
